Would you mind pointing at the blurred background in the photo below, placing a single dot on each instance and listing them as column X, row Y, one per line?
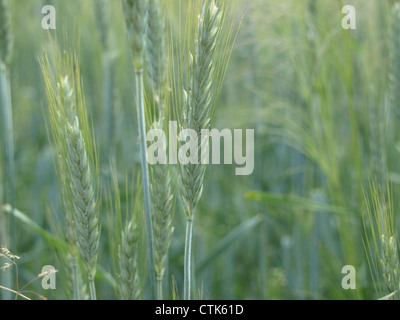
column 319, row 100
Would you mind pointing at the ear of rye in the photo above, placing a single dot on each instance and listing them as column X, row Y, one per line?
column 76, row 162
column 160, row 187
column 198, row 99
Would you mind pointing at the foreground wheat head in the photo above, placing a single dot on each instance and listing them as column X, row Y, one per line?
column 196, row 90
column 83, row 197
column 76, row 162
column 199, row 99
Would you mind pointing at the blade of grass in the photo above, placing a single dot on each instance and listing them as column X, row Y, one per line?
column 298, row 203
column 234, row 236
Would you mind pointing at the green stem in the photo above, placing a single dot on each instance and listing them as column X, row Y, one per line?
column 8, row 156
column 109, row 105
column 188, row 259
column 92, row 288
column 263, row 260
column 75, row 283
column 8, row 178
column 159, row 289
column 107, row 98
column 145, row 175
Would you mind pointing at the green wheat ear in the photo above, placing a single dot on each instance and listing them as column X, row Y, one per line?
column 200, row 61
column 125, row 240
column 199, row 98
column 135, row 16
column 160, row 186
column 162, row 200
column 76, row 157
column 156, row 52
column 82, row 197
column 6, row 39
column 129, row 278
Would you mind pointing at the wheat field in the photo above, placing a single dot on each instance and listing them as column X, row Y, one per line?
column 316, row 218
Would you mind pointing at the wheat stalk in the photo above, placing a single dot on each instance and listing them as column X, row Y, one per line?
column 135, row 18
column 160, row 187
column 198, row 100
column 76, row 155
column 197, row 113
column 195, row 95
column 66, row 96
column 66, row 186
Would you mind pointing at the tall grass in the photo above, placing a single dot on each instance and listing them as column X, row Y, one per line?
column 322, row 101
